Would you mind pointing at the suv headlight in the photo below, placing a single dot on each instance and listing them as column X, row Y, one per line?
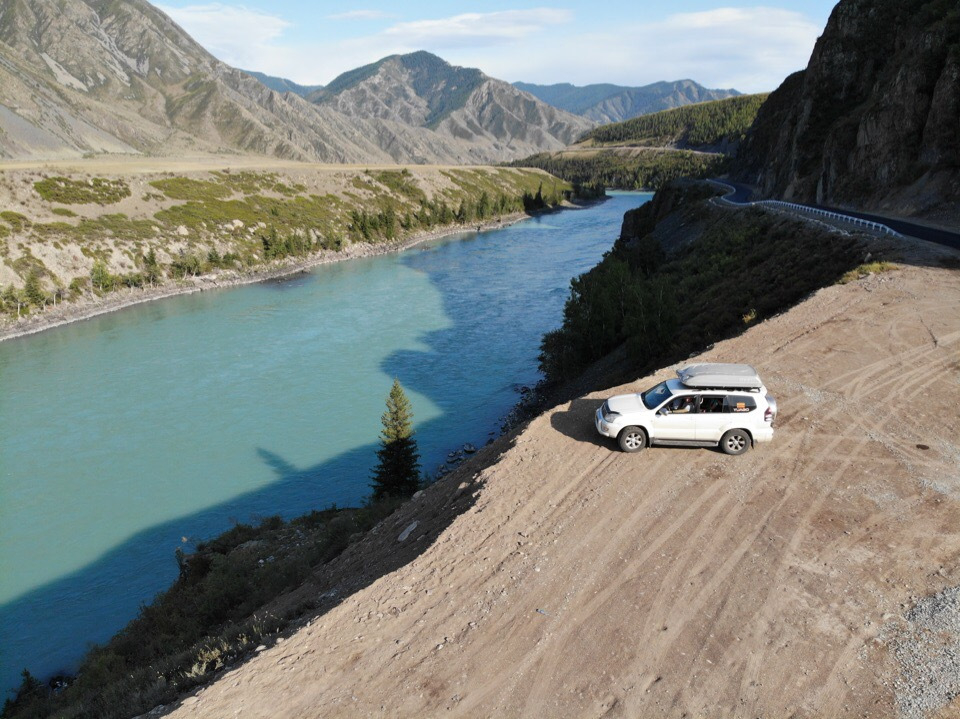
column 608, row 414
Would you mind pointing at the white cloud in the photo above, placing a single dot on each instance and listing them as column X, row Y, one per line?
column 751, row 49
column 239, row 36
column 476, row 29
column 360, row 15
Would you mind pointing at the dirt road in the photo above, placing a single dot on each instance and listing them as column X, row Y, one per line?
column 569, row 579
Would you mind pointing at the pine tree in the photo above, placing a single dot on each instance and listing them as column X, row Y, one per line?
column 398, row 471
column 33, row 291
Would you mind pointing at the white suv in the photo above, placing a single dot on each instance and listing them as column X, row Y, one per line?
column 706, row 406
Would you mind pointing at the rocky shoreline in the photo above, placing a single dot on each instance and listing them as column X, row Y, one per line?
column 92, row 306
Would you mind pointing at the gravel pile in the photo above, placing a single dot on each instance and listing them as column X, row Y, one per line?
column 927, row 648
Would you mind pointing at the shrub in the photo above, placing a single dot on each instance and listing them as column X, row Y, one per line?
column 67, row 191
column 872, row 268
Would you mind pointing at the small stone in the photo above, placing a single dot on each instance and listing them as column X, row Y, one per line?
column 406, row 532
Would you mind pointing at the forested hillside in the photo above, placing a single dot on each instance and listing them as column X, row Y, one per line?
column 664, row 292
column 626, row 168
column 706, row 124
column 647, row 152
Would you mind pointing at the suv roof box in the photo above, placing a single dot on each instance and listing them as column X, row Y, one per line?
column 717, row 376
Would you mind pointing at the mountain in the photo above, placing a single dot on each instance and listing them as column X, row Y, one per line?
column 280, row 84
column 109, row 76
column 874, row 119
column 493, row 119
column 81, row 76
column 605, row 103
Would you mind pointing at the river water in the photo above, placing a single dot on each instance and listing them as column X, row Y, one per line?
column 127, row 436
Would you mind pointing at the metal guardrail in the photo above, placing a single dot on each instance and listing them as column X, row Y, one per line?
column 858, row 221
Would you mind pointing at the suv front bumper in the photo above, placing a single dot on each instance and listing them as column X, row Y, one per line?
column 603, row 427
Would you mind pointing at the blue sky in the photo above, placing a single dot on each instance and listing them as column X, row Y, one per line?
column 748, row 46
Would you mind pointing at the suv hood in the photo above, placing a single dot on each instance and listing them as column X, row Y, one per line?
column 626, row 403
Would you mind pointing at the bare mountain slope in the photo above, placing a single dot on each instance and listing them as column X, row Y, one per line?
column 487, row 119
column 81, row 76
column 565, row 578
column 126, row 69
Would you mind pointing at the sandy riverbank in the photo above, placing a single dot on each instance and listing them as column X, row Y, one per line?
column 92, row 306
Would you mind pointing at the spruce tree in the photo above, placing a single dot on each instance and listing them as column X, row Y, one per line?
column 398, row 472
column 33, row 291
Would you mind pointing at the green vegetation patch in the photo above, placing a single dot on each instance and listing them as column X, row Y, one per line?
column 18, row 222
column 248, row 182
column 116, row 226
column 285, row 215
column 401, row 182
column 185, row 188
column 98, row 190
column 63, row 212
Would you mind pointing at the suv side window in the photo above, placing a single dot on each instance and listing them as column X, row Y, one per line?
column 710, row 404
column 739, row 403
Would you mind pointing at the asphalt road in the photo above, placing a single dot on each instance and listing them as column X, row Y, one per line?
column 741, row 195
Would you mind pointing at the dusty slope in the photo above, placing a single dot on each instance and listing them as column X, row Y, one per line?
column 580, row 581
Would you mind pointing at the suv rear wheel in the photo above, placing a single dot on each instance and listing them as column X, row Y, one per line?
column 632, row 439
column 736, row 441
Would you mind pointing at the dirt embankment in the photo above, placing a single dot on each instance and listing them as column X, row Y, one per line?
column 560, row 577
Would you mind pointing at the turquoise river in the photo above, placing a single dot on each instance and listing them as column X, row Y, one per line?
column 132, row 434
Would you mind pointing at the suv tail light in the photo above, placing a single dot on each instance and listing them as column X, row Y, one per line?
column 768, row 415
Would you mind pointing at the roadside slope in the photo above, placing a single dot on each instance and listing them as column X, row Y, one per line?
column 584, row 581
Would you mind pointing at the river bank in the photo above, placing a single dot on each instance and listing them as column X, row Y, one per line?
column 92, row 305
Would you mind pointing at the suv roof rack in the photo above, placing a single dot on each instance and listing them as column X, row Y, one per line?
column 720, row 376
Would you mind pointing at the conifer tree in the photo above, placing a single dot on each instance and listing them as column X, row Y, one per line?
column 398, row 472
column 33, row 291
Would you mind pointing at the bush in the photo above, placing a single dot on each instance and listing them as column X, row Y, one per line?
column 81, row 192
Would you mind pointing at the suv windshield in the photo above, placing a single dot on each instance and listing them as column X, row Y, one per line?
column 653, row 397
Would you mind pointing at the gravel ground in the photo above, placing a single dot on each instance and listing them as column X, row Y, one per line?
column 926, row 645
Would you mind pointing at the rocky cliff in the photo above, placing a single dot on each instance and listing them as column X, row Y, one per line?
column 874, row 120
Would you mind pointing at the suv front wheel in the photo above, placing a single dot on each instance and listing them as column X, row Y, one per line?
column 736, row 441
column 632, row 439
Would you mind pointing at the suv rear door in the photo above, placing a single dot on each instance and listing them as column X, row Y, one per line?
column 718, row 413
